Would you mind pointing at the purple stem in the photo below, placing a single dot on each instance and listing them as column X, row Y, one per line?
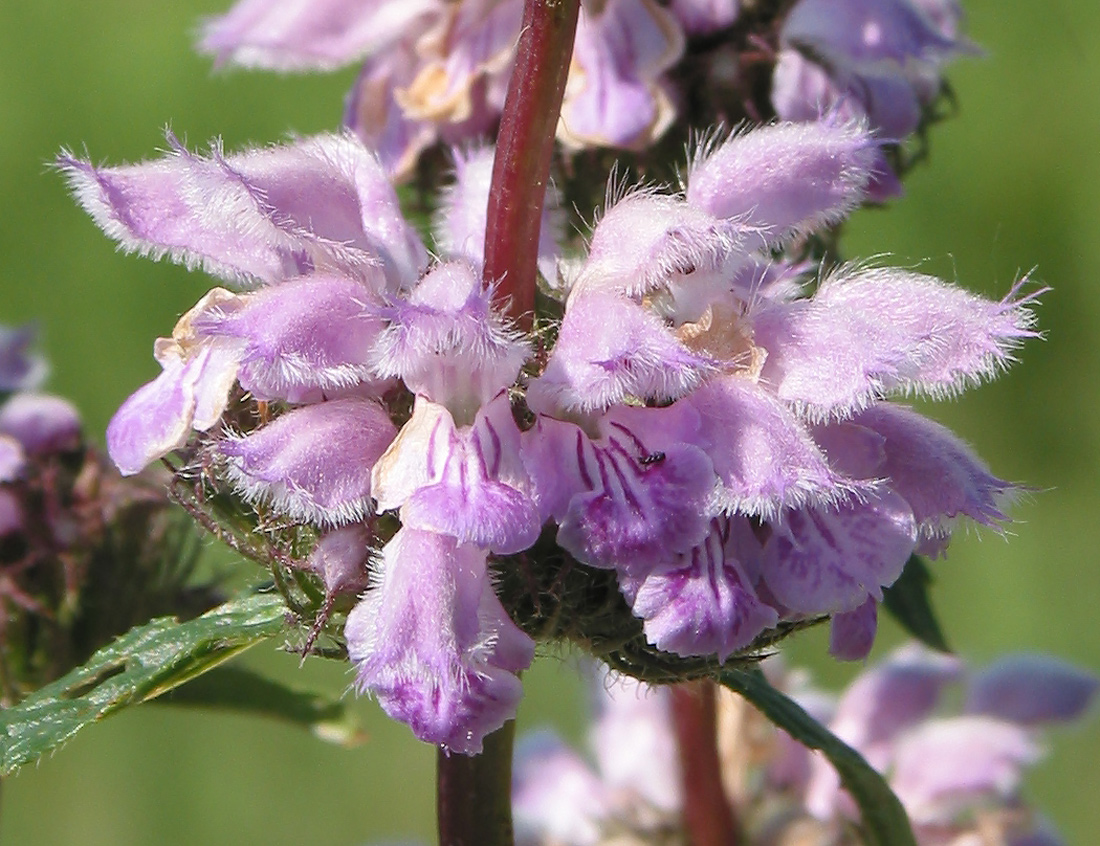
column 525, row 146
column 474, row 793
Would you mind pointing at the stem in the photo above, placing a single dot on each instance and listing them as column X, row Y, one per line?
column 525, row 146
column 474, row 793
column 709, row 818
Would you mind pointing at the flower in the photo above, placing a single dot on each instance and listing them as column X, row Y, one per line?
column 958, row 774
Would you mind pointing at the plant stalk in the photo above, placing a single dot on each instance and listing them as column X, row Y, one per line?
column 474, row 793
column 709, row 818
column 525, row 147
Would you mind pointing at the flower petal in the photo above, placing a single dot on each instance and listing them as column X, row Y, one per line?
column 313, row 464
column 1031, row 689
column 258, row 216
column 825, row 561
column 706, row 604
column 876, row 330
column 782, row 180
column 317, row 35
column 433, row 644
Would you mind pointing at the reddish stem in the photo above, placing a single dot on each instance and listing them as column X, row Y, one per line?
column 709, row 818
column 525, row 146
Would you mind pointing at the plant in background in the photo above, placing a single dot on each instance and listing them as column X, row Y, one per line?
column 671, row 438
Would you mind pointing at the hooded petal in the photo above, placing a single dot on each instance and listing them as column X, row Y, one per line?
column 308, row 336
column 341, row 558
column 866, row 32
column 447, row 343
column 707, row 604
column 459, row 224
column 313, row 35
column 647, row 242
column 608, row 350
column 258, row 216
column 313, row 464
column 433, row 644
column 786, row 179
column 834, row 354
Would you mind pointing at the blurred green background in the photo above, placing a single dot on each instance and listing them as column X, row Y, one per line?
column 1013, row 184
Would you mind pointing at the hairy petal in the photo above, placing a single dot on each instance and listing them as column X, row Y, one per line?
column 705, row 604
column 787, row 179
column 447, row 343
column 835, row 354
column 459, row 223
column 610, row 349
column 307, row 337
column 647, row 241
column 433, row 644
column 341, row 559
column 312, row 35
column 259, row 216
column 313, row 464
column 762, row 453
column 939, row 475
column 1030, row 689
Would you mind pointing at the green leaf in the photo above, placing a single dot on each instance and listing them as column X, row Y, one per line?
column 245, row 692
column 884, row 820
column 908, row 602
column 142, row 664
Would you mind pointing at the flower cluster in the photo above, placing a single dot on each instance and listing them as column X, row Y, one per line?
column 956, row 769
column 437, row 71
column 711, row 424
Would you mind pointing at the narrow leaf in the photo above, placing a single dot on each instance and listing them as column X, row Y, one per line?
column 908, row 602
column 246, row 692
column 884, row 819
column 144, row 663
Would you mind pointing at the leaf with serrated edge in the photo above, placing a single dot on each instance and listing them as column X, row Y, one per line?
column 908, row 602
column 144, row 663
column 884, row 819
column 243, row 691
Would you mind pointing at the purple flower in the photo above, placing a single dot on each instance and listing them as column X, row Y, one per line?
column 761, row 402
column 954, row 773
column 432, row 643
